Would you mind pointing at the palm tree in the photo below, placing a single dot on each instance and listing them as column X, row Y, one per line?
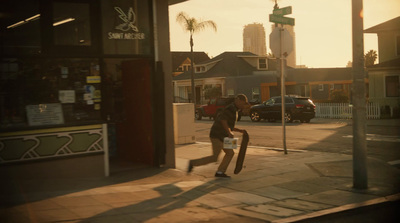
column 370, row 58
column 193, row 26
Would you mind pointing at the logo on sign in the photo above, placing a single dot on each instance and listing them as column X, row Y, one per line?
column 128, row 21
column 127, row 25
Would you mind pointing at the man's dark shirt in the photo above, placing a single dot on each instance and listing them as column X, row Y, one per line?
column 228, row 114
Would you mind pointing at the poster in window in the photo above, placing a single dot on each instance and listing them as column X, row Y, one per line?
column 45, row 114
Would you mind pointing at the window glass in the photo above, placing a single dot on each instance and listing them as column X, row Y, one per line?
column 39, row 92
column 262, row 63
column 255, row 93
column 392, row 86
column 71, row 23
column 20, row 28
column 398, row 45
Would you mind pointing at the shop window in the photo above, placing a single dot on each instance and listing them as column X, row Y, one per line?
column 38, row 92
column 20, row 28
column 392, row 86
column 71, row 24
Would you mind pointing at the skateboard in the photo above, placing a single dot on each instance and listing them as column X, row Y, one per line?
column 242, row 152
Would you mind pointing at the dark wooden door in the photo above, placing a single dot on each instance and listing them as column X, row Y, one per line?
column 135, row 132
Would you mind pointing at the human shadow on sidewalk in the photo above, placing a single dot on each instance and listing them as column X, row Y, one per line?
column 171, row 197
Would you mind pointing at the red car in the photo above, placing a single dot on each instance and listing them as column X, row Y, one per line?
column 213, row 108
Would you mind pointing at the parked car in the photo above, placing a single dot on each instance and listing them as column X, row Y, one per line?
column 213, row 107
column 296, row 108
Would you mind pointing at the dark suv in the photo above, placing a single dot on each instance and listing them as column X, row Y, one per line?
column 296, row 108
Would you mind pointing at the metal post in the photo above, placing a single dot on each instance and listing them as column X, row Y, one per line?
column 282, row 89
column 192, row 74
column 360, row 176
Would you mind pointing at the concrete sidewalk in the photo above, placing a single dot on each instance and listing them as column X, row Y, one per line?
column 273, row 187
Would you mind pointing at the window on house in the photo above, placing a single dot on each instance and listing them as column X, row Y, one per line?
column 262, row 63
column 332, row 87
column 231, row 93
column 392, row 86
column 320, row 87
column 255, row 93
column 398, row 45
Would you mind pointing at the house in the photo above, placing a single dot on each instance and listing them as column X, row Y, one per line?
column 257, row 77
column 181, row 61
column 384, row 77
column 226, row 71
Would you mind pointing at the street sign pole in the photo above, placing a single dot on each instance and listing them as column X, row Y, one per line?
column 360, row 175
column 282, row 89
column 277, row 17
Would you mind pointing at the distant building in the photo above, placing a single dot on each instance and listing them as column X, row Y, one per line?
column 291, row 58
column 254, row 39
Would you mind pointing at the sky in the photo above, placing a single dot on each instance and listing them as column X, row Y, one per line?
column 322, row 27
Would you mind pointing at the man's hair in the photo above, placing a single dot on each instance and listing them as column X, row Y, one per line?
column 242, row 97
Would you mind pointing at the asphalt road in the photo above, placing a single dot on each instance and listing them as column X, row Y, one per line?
column 325, row 135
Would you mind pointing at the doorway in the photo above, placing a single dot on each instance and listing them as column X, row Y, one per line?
column 129, row 108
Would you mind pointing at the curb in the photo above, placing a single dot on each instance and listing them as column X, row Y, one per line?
column 381, row 200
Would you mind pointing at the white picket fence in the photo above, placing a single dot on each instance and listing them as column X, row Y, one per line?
column 344, row 110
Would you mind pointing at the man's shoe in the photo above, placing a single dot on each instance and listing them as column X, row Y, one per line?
column 221, row 175
column 190, row 167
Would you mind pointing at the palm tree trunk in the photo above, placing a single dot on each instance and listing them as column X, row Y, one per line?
column 192, row 73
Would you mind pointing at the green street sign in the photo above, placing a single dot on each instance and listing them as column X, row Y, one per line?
column 281, row 20
column 283, row 11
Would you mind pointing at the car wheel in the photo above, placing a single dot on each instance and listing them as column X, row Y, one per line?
column 198, row 115
column 307, row 120
column 288, row 117
column 255, row 116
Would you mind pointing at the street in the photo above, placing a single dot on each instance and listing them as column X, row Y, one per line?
column 325, row 135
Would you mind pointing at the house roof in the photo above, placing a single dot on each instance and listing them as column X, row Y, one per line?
column 393, row 24
column 227, row 64
column 178, row 57
column 395, row 63
column 304, row 75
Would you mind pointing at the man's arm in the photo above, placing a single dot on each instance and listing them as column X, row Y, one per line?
column 229, row 130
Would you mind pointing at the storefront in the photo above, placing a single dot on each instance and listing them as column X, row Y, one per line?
column 81, row 83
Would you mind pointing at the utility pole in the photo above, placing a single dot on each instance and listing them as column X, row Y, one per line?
column 360, row 176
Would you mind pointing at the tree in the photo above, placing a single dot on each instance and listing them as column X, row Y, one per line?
column 192, row 25
column 212, row 92
column 370, row 58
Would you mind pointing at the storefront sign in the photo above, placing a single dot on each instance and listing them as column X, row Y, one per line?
column 45, row 114
column 127, row 26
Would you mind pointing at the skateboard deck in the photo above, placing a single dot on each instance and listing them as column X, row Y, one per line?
column 242, row 152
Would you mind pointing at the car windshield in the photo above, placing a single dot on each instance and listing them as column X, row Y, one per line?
column 270, row 102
